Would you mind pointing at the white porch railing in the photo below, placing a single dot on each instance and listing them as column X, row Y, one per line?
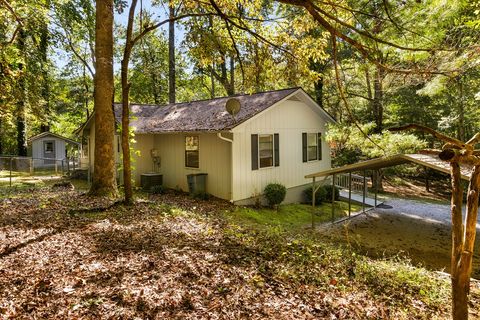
column 342, row 181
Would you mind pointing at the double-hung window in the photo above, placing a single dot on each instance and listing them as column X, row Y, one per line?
column 265, row 151
column 312, row 146
column 191, row 152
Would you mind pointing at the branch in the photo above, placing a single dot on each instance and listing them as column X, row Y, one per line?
column 434, row 133
column 79, row 57
column 364, row 50
column 359, row 96
column 223, row 16
column 342, row 94
column 474, row 140
column 159, row 24
column 251, row 32
column 9, row 7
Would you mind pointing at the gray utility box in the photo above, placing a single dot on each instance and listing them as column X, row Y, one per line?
column 149, row 180
column 197, row 182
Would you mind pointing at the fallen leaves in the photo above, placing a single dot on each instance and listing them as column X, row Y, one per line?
column 163, row 259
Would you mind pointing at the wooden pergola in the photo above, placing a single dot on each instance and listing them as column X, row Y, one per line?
column 424, row 159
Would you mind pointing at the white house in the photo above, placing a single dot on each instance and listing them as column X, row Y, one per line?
column 48, row 149
column 277, row 136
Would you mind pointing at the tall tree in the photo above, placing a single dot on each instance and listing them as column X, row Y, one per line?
column 21, row 97
column 171, row 53
column 104, row 179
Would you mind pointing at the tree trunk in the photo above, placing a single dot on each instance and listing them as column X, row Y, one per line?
column 104, row 177
column 464, row 254
column 232, row 76
column 318, row 85
column 377, row 104
column 21, row 112
column 127, row 169
column 459, row 296
column 44, row 39
column 171, row 54
column 461, row 113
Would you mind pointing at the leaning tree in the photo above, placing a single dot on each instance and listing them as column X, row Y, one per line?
column 458, row 153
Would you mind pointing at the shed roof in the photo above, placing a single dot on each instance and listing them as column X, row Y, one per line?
column 203, row 115
column 428, row 160
column 46, row 134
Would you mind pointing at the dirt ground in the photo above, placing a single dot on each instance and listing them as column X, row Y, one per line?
column 415, row 229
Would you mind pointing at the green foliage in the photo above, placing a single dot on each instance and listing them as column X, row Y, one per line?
column 349, row 140
column 320, row 195
column 275, row 193
column 328, row 192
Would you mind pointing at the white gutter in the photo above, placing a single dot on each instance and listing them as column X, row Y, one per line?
column 223, row 138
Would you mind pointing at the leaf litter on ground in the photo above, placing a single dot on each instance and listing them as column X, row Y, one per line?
column 171, row 256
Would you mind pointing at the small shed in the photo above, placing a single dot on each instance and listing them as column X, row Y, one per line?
column 48, row 149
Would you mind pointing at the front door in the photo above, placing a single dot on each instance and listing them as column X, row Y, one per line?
column 49, row 151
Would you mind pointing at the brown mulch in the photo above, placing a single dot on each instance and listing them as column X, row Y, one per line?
column 149, row 261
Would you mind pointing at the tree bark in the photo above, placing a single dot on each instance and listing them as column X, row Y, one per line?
column 461, row 112
column 171, row 55
column 104, row 177
column 459, row 296
column 377, row 103
column 44, row 39
column 21, row 112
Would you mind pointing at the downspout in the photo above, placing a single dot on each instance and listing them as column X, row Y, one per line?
column 219, row 135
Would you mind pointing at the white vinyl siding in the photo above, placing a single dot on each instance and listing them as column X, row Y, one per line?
column 214, row 159
column 289, row 119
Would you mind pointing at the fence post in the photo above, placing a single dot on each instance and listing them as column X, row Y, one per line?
column 31, row 166
column 11, row 159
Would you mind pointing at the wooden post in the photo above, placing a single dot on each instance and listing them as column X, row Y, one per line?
column 349, row 194
column 376, row 188
column 11, row 159
column 333, row 198
column 364, row 190
column 31, row 166
column 313, row 203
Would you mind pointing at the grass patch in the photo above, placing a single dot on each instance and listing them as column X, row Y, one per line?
column 290, row 216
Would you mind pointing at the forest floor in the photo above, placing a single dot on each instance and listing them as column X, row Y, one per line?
column 170, row 256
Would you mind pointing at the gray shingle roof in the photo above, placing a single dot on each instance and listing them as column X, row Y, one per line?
column 204, row 115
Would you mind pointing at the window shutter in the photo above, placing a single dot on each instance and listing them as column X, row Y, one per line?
column 319, row 148
column 254, row 151
column 304, row 146
column 276, row 149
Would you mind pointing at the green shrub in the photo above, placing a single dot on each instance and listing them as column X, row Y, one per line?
column 320, row 195
column 158, row 189
column 328, row 193
column 275, row 193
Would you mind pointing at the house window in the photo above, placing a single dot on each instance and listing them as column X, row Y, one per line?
column 48, row 146
column 265, row 150
column 191, row 152
column 312, row 146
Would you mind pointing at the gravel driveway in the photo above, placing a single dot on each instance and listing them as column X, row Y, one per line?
column 419, row 230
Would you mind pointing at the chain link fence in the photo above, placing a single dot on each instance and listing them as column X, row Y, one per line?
column 18, row 171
